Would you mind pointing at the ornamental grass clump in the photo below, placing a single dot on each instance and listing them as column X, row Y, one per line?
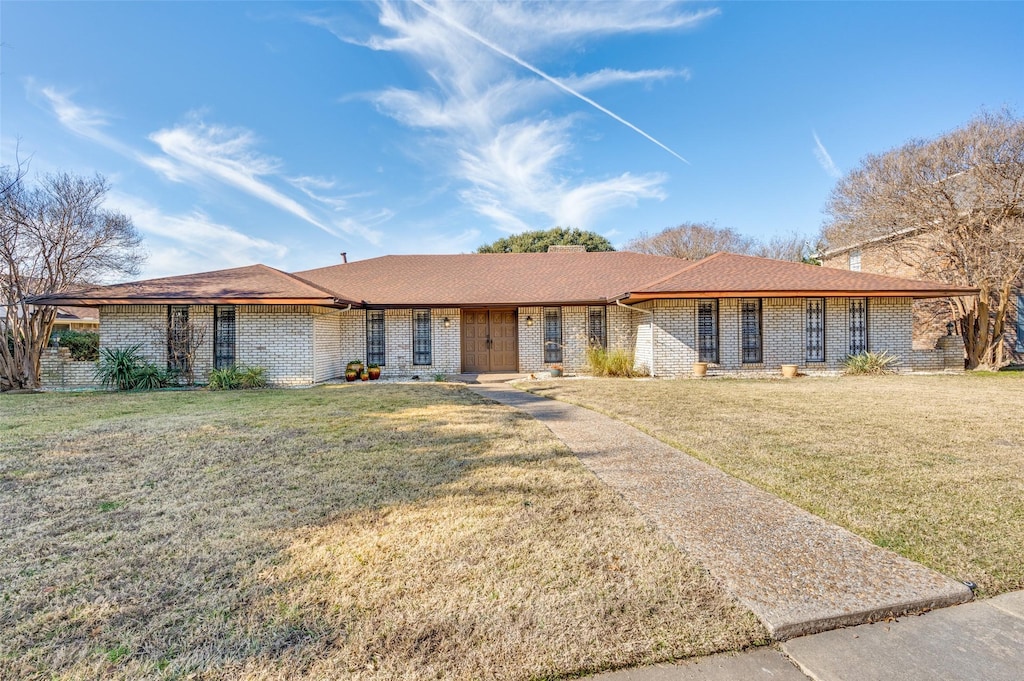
column 870, row 363
column 238, row 378
column 616, row 362
column 125, row 369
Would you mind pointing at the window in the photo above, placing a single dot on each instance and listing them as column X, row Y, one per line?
column 421, row 344
column 178, row 339
column 858, row 325
column 707, row 330
column 1020, row 322
column 855, row 260
column 223, row 336
column 597, row 327
column 815, row 329
column 552, row 334
column 750, row 324
column 375, row 337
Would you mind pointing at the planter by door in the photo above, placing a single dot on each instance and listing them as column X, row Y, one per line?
column 489, row 341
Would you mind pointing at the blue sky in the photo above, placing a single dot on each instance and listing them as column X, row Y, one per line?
column 285, row 133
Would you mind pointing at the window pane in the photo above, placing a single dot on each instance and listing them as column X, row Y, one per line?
column 223, row 336
column 858, row 325
column 178, row 340
column 707, row 330
column 750, row 311
column 815, row 329
column 421, row 342
column 597, row 327
column 552, row 334
column 375, row 337
column 1020, row 322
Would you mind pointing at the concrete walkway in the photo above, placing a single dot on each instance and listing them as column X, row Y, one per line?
column 798, row 573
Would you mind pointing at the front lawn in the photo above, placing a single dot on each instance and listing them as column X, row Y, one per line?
column 931, row 467
column 367, row 531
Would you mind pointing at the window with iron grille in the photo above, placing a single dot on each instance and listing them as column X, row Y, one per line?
column 1020, row 322
column 552, row 334
column 375, row 337
column 815, row 329
column 707, row 330
column 178, row 340
column 421, row 343
column 223, row 336
column 858, row 325
column 597, row 327
column 750, row 325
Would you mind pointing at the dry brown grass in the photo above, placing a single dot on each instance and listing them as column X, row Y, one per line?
column 929, row 466
column 368, row 532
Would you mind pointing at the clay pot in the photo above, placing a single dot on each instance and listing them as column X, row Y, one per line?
column 700, row 369
column 351, row 374
column 789, row 370
column 365, row 376
column 374, row 373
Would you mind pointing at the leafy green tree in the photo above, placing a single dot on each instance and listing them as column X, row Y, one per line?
column 538, row 241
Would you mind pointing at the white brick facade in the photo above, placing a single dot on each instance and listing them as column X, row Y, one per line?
column 302, row 345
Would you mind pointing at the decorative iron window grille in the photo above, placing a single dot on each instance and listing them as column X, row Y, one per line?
column 750, row 324
column 1020, row 322
column 858, row 325
column 375, row 337
column 707, row 330
column 421, row 341
column 552, row 334
column 178, row 340
column 815, row 329
column 223, row 336
column 597, row 327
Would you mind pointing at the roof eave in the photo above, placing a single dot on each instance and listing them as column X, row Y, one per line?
column 640, row 296
column 217, row 300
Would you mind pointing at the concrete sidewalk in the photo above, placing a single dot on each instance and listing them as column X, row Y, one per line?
column 980, row 641
column 797, row 572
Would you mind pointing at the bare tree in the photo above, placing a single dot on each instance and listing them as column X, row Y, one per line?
column 53, row 236
column 951, row 208
column 186, row 337
column 691, row 241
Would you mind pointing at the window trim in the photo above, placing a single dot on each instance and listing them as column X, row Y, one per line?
column 758, row 336
column 552, row 345
column 219, row 342
column 708, row 354
column 418, row 341
column 375, row 326
column 822, row 331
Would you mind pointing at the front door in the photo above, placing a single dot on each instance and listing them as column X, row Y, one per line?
column 489, row 341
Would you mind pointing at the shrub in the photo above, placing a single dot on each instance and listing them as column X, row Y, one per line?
column 125, row 369
column 614, row 362
column 84, row 345
column 235, row 378
column 253, row 377
column 870, row 363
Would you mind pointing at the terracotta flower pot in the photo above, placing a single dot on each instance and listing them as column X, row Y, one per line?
column 789, row 370
column 700, row 369
column 374, row 373
column 351, row 375
column 365, row 376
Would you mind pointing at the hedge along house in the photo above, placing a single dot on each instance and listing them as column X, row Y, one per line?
column 516, row 312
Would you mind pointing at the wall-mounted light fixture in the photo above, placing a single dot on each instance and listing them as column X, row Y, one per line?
column 529, row 320
column 447, row 322
column 949, row 328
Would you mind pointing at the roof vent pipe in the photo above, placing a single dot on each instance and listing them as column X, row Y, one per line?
column 344, row 258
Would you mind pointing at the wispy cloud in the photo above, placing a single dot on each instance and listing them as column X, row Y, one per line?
column 824, row 159
column 192, row 240
column 486, row 106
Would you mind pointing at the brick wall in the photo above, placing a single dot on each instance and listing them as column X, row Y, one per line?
column 278, row 338
column 445, row 343
column 531, row 340
column 143, row 325
column 59, row 372
column 328, row 359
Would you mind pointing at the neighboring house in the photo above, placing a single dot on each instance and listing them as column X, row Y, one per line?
column 517, row 312
column 881, row 256
column 76, row 319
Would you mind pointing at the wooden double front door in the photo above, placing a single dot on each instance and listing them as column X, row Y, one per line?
column 489, row 341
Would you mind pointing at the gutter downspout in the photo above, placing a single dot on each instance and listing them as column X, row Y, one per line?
column 618, row 301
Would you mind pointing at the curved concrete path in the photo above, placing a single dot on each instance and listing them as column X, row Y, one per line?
column 798, row 573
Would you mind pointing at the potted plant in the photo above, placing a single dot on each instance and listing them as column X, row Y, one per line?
column 373, row 370
column 789, row 370
column 700, row 369
column 351, row 374
column 555, row 370
column 356, row 364
column 364, row 375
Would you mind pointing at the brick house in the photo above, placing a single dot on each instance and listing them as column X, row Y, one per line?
column 882, row 255
column 520, row 312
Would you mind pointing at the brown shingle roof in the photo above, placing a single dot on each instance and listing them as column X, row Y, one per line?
column 493, row 279
column 252, row 284
column 727, row 275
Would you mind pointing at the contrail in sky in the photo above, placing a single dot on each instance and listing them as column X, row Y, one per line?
column 554, row 81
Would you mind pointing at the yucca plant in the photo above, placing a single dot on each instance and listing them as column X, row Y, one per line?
column 228, row 378
column 870, row 363
column 253, row 377
column 118, row 367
